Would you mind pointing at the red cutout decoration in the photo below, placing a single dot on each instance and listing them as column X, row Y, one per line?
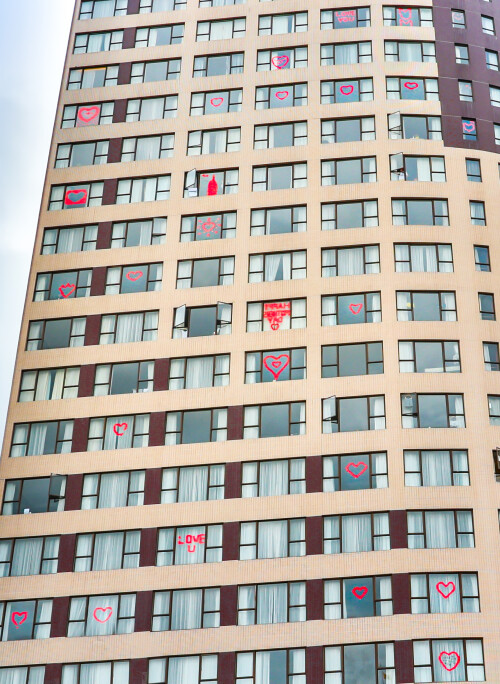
column 276, row 363
column 449, row 661
column 360, row 592
column 411, row 85
column 86, row 115
column 355, row 308
column 15, row 618
column 469, row 126
column 405, row 17
column 280, row 61
column 212, row 187
column 75, row 197
column 216, row 101
column 346, row 16
column 134, row 275
column 72, row 288
column 208, row 227
column 275, row 312
column 282, row 94
column 117, row 426
column 361, row 465
column 103, row 611
column 449, row 593
column 346, row 90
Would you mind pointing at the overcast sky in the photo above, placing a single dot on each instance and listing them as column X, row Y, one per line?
column 33, row 39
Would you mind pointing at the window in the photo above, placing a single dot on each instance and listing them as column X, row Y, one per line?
column 279, row 177
column 357, row 597
column 129, row 327
column 465, row 91
column 25, row 620
column 347, row 130
column 152, row 189
column 123, row 378
column 139, row 233
column 371, row 662
column 496, row 130
column 28, row 556
column 270, row 366
column 491, row 59
column 174, row 545
column 62, row 285
column 343, row 171
column 417, row 356
column 494, row 409
column 104, row 673
column 280, row 135
column 426, row 306
column 23, row 675
column 356, row 17
column 354, row 90
column 56, row 333
column 282, row 315
column 277, row 97
column 192, row 483
column 413, row 168
column 448, row 593
column 216, row 102
column 93, row 77
column 107, row 551
column 275, row 24
column 186, row 609
column 282, row 58
column 273, row 539
column 38, row 439
column 214, row 142
column 477, row 213
column 219, row 3
column 409, row 51
column 482, row 258
column 432, row 410
column 458, row 19
column 487, row 306
column 432, row 468
column 274, row 420
column 469, row 129
column 340, row 215
column 346, row 53
column 410, row 212
column 37, row 495
column 97, row 9
column 101, row 615
column 113, row 490
column 205, row 272
column 462, row 54
column 95, row 114
column 491, row 356
column 75, row 196
column 273, row 478
column 199, row 321
column 222, row 29
column 118, row 432
column 98, row 42
column 344, row 360
column 423, row 258
column 494, row 96
column 152, row 108
column 260, row 667
column 82, row 154
column 346, row 309
column 208, row 227
column 198, row 669
column 411, row 127
column 278, row 221
column 488, row 25
column 49, row 383
column 355, row 471
column 342, row 261
column 148, row 72
column 161, row 5
column 275, row 266
column 473, row 170
column 198, row 184
column 218, row 65
column 448, row 660
column 65, row 240
column 409, row 88
column 414, row 16
column 150, row 36
column 148, row 147
column 193, row 427
column 131, row 279
column 356, row 533
column 353, row 414
column 265, row 604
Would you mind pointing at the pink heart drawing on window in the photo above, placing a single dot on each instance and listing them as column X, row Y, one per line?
column 279, row 362
column 347, row 89
column 75, row 197
column 280, row 61
column 209, row 226
column 350, row 466
column 445, row 594
column 449, row 661
column 88, row 114
column 19, row 618
column 282, row 94
column 72, row 288
column 216, row 101
column 355, row 308
column 411, row 85
column 468, row 126
column 103, row 612
column 360, row 592
column 405, row 17
column 118, row 426
column 134, row 275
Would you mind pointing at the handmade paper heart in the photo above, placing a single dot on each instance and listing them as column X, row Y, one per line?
column 346, row 90
column 350, row 467
column 279, row 362
column 134, row 275
column 75, row 197
column 19, row 618
column 468, row 126
column 360, row 592
column 282, row 94
column 280, row 61
column 355, row 308
column 87, row 114
column 105, row 613
column 411, row 85
column 446, row 594
column 449, row 661
column 118, row 426
column 67, row 290
column 216, row 101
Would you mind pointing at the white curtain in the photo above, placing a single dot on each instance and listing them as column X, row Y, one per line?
column 356, row 533
column 277, row 267
column 27, row 556
column 273, row 479
column 436, row 469
column 440, row 528
column 350, row 261
column 329, row 311
column 122, row 441
column 114, row 489
column 186, row 609
column 38, row 436
column 50, row 384
column 95, row 673
column 423, row 258
column 93, row 626
column 443, row 646
column 182, row 554
column 98, row 42
column 199, row 372
column 19, row 675
column 438, row 602
column 108, row 549
column 423, row 166
column 410, row 52
column 273, row 539
column 282, row 23
column 103, row 8
column 148, row 148
column 272, row 603
column 193, row 484
column 129, row 327
column 152, row 109
column 263, row 667
column 70, row 240
column 346, row 54
column 182, row 670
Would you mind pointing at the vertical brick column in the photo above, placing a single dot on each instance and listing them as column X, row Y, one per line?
column 74, row 486
column 314, row 474
column 143, row 611
column 92, row 330
column 98, row 285
column 228, row 605
column 157, row 428
column 104, row 230
column 314, row 535
column 133, row 6
column 124, row 72
column 230, row 541
column 226, row 668
column 232, row 480
column 67, row 545
column 53, row 673
column 115, row 150
column 401, row 594
column 161, row 373
column 138, row 673
column 314, row 599
column 128, row 38
column 147, row 550
column 119, row 111
column 398, row 527
column 403, row 656
column 152, row 486
column 109, row 192
column 59, row 621
column 314, row 665
column 80, row 434
column 235, row 422
column 86, row 381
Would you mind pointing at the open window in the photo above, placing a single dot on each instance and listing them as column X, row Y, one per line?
column 496, row 460
column 191, row 183
column 397, row 166
column 330, row 409
column 224, row 316
column 395, row 126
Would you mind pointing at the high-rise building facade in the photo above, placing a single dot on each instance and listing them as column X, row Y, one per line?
column 212, row 473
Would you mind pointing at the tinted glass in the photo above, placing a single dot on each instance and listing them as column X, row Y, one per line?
column 202, row 321
column 282, row 136
column 355, row 472
column 359, row 664
column 21, row 629
column 348, row 130
column 124, row 378
column 196, row 427
column 56, row 334
column 348, row 171
column 353, row 415
column 348, row 305
column 35, row 495
column 432, row 410
column 218, row 66
column 280, row 177
column 349, row 215
column 420, row 213
column 352, row 359
column 426, row 306
column 429, row 357
column 277, row 667
column 280, row 221
column 83, row 154
column 274, row 420
column 206, row 272
column 358, row 603
column 414, row 127
column 134, row 279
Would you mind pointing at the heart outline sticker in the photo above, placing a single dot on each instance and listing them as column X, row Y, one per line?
column 80, row 197
column 117, row 426
column 72, row 287
column 134, row 275
column 360, row 590
column 358, row 306
column 282, row 94
column 276, row 364
column 446, row 585
column 410, row 85
column 445, row 654
column 468, row 126
column 87, row 119
column 103, row 610
column 219, row 101
column 280, row 61
column 356, row 465
column 346, row 87
column 20, row 622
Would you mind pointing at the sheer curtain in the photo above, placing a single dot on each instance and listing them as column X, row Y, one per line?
column 436, row 469
column 273, row 539
column 38, row 436
column 98, row 42
column 27, row 556
column 193, row 484
column 70, row 240
column 423, row 166
column 356, row 533
column 114, row 441
column 346, row 54
column 272, row 265
column 272, row 603
column 19, row 675
column 114, row 490
column 95, row 673
column 98, row 603
column 440, row 604
column 273, row 480
column 103, row 8
column 440, row 528
column 182, row 670
column 199, row 372
column 108, row 549
column 448, row 646
column 129, row 327
column 263, row 667
column 423, row 258
column 186, row 609
column 182, row 555
column 350, row 261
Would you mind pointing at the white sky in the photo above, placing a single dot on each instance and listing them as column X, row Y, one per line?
column 33, row 40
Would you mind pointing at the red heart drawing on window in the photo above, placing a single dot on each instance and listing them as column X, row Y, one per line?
column 282, row 94
column 355, row 308
column 209, row 226
column 280, row 61
column 411, row 85
column 468, row 126
column 445, row 586
column 405, row 17
column 134, row 275
column 216, row 101
column 87, row 114
column 75, row 197
column 279, row 362
column 103, row 612
column 346, row 90
column 117, row 426
column 449, row 661
column 19, row 618
column 362, row 465
column 360, row 592
column 72, row 288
